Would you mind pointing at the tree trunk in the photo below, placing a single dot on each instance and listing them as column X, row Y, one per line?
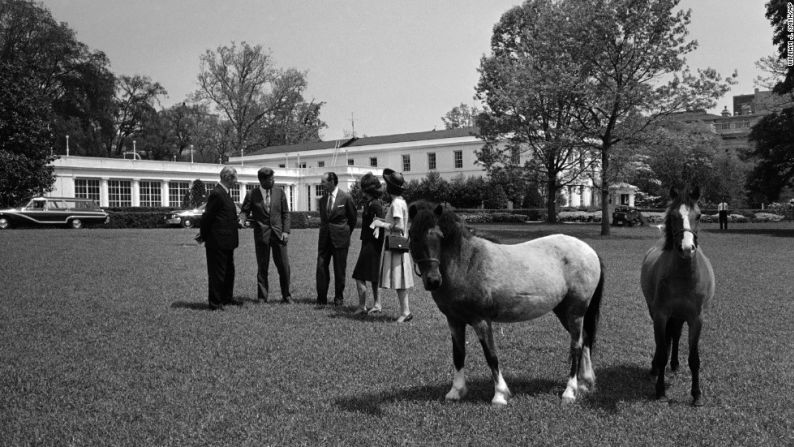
column 604, row 191
column 551, row 201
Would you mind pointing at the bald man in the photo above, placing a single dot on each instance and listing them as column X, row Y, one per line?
column 218, row 232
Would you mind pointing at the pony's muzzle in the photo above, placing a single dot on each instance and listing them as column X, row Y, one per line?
column 431, row 279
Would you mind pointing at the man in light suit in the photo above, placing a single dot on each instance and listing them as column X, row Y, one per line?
column 268, row 208
column 218, row 231
column 337, row 220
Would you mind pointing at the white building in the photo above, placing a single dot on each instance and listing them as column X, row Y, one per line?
column 122, row 182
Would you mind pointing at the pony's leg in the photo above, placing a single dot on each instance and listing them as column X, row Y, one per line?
column 459, row 389
column 660, row 357
column 485, row 334
column 586, row 376
column 575, row 329
column 695, row 326
column 674, row 327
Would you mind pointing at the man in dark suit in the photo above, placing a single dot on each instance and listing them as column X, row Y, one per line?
column 270, row 212
column 337, row 220
column 219, row 233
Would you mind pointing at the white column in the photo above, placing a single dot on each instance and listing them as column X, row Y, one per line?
column 164, row 191
column 103, row 192
column 136, row 192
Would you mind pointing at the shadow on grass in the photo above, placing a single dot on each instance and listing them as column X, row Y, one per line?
column 192, row 305
column 516, row 235
column 480, row 391
column 776, row 232
column 622, row 383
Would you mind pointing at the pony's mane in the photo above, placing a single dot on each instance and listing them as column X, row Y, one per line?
column 448, row 222
column 672, row 207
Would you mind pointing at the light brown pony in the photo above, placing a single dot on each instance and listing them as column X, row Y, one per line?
column 475, row 281
column 677, row 281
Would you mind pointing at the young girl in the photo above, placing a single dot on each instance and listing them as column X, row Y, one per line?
column 367, row 267
column 396, row 268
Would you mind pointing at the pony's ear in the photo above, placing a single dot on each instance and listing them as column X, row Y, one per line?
column 438, row 210
column 412, row 211
column 673, row 193
column 694, row 193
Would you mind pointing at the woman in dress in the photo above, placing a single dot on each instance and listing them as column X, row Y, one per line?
column 396, row 267
column 367, row 267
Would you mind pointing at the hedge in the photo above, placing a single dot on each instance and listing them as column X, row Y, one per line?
column 140, row 217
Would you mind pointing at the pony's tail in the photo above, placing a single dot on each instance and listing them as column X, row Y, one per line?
column 593, row 312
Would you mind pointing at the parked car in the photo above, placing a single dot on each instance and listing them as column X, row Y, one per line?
column 624, row 215
column 45, row 211
column 192, row 218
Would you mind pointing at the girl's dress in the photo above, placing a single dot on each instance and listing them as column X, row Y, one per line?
column 397, row 268
column 368, row 264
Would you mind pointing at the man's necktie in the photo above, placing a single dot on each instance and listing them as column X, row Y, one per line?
column 330, row 203
column 267, row 199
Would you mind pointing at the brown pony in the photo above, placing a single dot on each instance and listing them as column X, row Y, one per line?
column 476, row 282
column 677, row 281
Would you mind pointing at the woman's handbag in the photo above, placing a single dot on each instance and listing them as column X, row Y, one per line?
column 396, row 243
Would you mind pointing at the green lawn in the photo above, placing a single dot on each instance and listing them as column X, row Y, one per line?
column 105, row 340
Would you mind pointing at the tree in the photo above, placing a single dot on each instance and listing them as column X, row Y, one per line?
column 432, row 188
column 777, row 12
column 263, row 104
column 197, row 194
column 136, row 99
column 774, row 155
column 632, row 52
column 495, row 197
column 466, row 192
column 533, row 89
column 461, row 116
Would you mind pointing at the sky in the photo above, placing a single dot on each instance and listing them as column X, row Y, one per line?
column 381, row 67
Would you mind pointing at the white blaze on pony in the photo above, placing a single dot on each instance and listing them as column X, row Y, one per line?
column 476, row 282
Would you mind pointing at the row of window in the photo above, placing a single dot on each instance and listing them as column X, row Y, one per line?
column 373, row 161
column 431, row 161
column 120, row 192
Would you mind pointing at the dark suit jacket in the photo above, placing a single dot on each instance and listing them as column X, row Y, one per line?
column 274, row 221
column 219, row 221
column 338, row 223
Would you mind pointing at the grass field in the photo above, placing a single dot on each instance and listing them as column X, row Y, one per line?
column 105, row 339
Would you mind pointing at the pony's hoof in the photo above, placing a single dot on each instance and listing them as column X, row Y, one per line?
column 499, row 401
column 662, row 399
column 568, row 400
column 698, row 401
column 456, row 394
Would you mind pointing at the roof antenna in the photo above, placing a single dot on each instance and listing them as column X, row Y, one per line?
column 353, row 123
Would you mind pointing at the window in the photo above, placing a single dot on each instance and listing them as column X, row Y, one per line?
column 320, row 164
column 282, row 165
column 350, row 162
column 431, row 160
column 291, row 196
column 308, row 197
column 150, row 193
column 515, row 156
column 458, row 159
column 119, row 193
column 406, row 163
column 234, row 191
column 250, row 187
column 86, row 188
column 301, row 165
column 177, row 192
column 319, row 191
column 373, row 161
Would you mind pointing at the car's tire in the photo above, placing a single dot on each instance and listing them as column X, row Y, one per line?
column 187, row 223
column 4, row 223
column 76, row 224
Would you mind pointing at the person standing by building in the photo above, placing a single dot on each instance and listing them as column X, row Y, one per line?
column 268, row 208
column 722, row 210
column 396, row 267
column 368, row 264
column 338, row 217
column 218, row 232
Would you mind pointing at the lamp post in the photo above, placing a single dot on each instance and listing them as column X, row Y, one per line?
column 67, row 145
column 191, row 154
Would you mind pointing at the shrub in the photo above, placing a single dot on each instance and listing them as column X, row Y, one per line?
column 508, row 218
